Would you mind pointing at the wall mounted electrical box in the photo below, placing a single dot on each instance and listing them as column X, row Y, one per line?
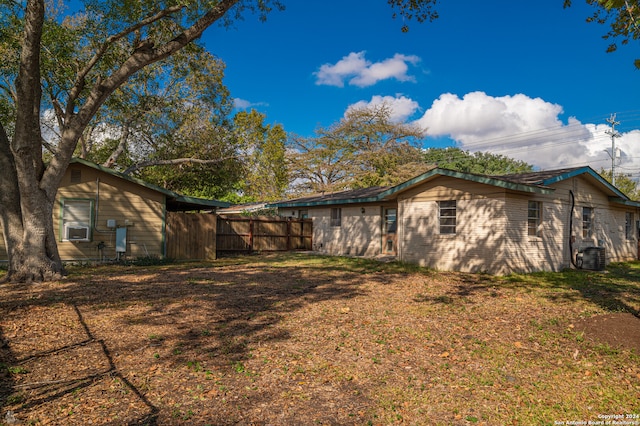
column 111, row 223
column 121, row 240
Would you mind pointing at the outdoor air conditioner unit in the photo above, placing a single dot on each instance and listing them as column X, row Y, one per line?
column 592, row 258
column 76, row 232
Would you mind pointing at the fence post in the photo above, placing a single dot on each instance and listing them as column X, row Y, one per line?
column 250, row 235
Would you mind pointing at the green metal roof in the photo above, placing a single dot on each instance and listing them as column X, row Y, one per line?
column 549, row 177
column 174, row 200
column 472, row 177
column 534, row 182
column 390, row 193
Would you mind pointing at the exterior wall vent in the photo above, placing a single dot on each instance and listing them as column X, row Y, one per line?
column 76, row 176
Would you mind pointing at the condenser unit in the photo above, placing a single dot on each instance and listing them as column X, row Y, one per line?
column 592, row 258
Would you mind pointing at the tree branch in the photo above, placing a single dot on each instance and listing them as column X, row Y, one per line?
column 76, row 123
column 80, row 78
column 174, row 162
column 122, row 143
column 28, row 87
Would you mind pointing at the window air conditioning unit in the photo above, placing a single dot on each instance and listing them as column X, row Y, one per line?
column 76, row 233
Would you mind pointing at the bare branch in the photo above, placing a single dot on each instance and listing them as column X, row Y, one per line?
column 175, row 162
column 122, row 143
column 49, row 147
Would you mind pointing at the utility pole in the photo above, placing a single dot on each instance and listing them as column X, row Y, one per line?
column 612, row 132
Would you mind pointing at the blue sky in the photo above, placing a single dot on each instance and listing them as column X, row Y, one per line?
column 529, row 80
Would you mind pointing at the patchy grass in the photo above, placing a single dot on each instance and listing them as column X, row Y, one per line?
column 298, row 339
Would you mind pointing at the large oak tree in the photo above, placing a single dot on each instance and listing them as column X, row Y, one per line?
column 365, row 148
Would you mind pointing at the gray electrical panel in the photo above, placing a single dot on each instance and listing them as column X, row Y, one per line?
column 121, row 240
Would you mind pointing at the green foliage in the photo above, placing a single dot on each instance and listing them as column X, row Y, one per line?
column 623, row 18
column 151, row 260
column 366, row 148
column 477, row 162
column 625, row 184
column 265, row 171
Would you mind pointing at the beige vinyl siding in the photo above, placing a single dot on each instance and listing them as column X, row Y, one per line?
column 608, row 220
column 358, row 235
column 549, row 250
column 478, row 243
column 491, row 232
column 113, row 198
column 138, row 208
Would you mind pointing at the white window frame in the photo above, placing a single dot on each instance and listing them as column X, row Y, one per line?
column 390, row 220
column 587, row 222
column 76, row 214
column 629, row 225
column 447, row 217
column 336, row 217
column 534, row 221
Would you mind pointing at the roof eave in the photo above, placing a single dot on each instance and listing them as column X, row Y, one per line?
column 287, row 205
column 625, row 202
column 466, row 176
column 204, row 202
column 588, row 170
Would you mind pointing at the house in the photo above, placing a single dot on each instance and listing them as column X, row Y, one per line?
column 104, row 214
column 449, row 220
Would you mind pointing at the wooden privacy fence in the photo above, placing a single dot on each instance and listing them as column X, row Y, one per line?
column 195, row 236
column 264, row 233
column 191, row 236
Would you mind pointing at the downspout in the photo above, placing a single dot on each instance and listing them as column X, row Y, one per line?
column 101, row 244
column 97, row 210
column 164, row 228
column 573, row 205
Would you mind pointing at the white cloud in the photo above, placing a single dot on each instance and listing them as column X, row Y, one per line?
column 524, row 128
column 239, row 103
column 362, row 73
column 401, row 107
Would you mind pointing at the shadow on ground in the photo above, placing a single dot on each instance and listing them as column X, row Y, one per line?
column 236, row 306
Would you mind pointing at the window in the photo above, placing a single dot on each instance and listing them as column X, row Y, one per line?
column 336, row 217
column 587, row 222
column 534, row 218
column 390, row 221
column 76, row 220
column 447, row 217
column 303, row 214
column 628, row 225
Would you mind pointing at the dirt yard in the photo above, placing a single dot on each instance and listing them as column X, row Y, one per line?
column 302, row 340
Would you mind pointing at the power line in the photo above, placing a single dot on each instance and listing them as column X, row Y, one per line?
column 548, row 138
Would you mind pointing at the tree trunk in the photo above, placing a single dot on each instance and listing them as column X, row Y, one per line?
column 26, row 214
column 10, row 215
